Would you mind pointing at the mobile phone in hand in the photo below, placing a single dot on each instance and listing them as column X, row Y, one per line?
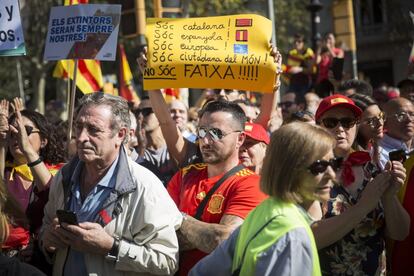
column 68, row 217
column 398, row 155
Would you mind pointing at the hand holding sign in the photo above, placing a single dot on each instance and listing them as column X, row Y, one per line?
column 224, row 52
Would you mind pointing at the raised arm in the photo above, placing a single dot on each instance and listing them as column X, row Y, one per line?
column 41, row 174
column 4, row 129
column 269, row 100
column 176, row 143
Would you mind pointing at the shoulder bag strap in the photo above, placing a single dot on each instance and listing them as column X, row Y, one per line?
column 203, row 203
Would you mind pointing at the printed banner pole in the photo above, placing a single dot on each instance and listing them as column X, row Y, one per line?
column 72, row 100
column 20, row 79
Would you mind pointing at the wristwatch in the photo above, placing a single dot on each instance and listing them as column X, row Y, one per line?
column 113, row 253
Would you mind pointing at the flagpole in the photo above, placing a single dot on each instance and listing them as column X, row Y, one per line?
column 68, row 89
column 72, row 100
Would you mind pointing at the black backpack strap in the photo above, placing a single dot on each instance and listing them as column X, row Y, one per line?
column 203, row 203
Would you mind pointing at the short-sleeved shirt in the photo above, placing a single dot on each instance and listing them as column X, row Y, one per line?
column 163, row 162
column 388, row 144
column 237, row 196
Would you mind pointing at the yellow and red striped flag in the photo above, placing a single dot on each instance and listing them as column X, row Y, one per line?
column 75, row 2
column 89, row 76
column 125, row 77
column 171, row 94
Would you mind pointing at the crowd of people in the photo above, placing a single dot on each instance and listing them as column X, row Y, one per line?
column 314, row 184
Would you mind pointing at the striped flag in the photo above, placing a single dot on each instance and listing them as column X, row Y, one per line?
column 242, row 35
column 89, row 75
column 125, row 77
column 402, row 250
column 171, row 94
column 75, row 2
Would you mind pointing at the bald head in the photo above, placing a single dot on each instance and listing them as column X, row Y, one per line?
column 396, row 104
column 179, row 113
column 400, row 119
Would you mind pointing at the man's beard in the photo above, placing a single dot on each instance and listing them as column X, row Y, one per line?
column 212, row 157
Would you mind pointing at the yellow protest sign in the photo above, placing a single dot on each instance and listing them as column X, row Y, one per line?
column 230, row 52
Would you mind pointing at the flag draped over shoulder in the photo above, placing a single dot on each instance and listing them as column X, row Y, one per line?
column 125, row 89
column 89, row 76
column 402, row 250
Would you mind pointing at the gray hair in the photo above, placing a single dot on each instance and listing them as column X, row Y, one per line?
column 118, row 105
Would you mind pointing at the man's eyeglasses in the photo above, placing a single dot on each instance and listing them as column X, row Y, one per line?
column 404, row 116
column 215, row 133
column 344, row 122
column 320, row 166
column 375, row 121
column 286, row 104
column 144, row 111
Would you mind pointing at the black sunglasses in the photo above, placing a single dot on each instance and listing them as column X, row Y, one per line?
column 144, row 111
column 333, row 122
column 320, row 166
column 286, row 104
column 29, row 130
column 215, row 133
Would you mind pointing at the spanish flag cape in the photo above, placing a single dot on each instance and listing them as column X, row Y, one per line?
column 25, row 172
column 402, row 253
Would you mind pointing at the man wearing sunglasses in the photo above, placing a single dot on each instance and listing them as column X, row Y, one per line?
column 289, row 104
column 399, row 123
column 221, row 135
column 156, row 151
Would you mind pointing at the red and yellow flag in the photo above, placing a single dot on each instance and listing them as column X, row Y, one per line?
column 171, row 94
column 402, row 250
column 125, row 89
column 89, row 75
column 75, row 2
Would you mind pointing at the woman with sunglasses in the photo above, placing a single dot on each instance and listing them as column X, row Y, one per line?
column 275, row 238
column 362, row 209
column 371, row 128
column 31, row 154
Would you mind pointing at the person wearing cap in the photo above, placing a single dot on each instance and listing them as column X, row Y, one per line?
column 275, row 238
column 253, row 150
column 351, row 234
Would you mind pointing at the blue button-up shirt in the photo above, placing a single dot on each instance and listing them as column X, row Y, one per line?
column 87, row 210
column 388, row 144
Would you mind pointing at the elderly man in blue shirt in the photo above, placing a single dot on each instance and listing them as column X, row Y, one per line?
column 399, row 124
column 126, row 219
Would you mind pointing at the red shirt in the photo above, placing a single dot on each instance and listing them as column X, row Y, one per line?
column 237, row 196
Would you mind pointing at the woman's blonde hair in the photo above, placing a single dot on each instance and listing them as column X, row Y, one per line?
column 292, row 148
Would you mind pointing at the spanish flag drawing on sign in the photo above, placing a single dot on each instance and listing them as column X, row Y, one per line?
column 89, row 75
